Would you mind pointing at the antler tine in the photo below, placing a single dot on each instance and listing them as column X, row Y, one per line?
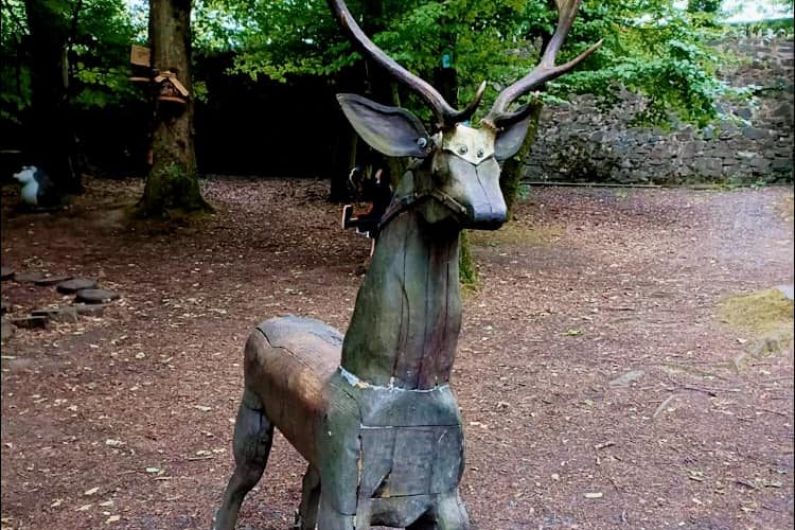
column 445, row 114
column 545, row 71
column 473, row 105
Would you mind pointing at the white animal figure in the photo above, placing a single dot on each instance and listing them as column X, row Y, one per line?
column 36, row 185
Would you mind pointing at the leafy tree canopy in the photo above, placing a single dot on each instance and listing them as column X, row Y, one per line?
column 651, row 47
column 99, row 36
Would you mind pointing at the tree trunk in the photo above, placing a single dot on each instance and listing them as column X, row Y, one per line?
column 703, row 6
column 510, row 181
column 446, row 81
column 381, row 87
column 173, row 182
column 384, row 90
column 513, row 169
column 347, row 145
column 51, row 139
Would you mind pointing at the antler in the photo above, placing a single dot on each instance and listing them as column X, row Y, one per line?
column 545, row 71
column 445, row 113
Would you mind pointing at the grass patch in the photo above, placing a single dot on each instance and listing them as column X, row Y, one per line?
column 786, row 208
column 767, row 316
column 515, row 234
column 757, row 313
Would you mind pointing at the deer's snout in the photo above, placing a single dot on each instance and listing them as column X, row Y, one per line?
column 477, row 189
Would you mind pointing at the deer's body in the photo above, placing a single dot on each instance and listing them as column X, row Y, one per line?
column 373, row 413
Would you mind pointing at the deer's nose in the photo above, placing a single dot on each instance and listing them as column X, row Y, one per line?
column 489, row 221
column 489, row 211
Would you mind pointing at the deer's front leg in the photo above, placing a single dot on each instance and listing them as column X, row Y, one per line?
column 330, row 519
column 450, row 513
column 310, row 498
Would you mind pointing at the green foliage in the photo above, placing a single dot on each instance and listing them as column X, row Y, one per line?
column 98, row 47
column 14, row 76
column 467, row 270
column 703, row 6
column 657, row 50
column 784, row 27
column 272, row 38
column 652, row 47
column 100, row 54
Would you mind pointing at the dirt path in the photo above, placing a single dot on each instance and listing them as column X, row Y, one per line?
column 587, row 286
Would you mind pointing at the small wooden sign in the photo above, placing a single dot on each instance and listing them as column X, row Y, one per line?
column 140, row 56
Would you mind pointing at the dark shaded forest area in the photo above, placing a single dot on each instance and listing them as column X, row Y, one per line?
column 263, row 78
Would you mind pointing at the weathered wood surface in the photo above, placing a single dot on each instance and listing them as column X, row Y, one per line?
column 373, row 413
column 405, row 326
column 370, row 445
column 288, row 363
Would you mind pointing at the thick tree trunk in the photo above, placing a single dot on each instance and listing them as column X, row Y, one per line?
column 51, row 139
column 703, row 6
column 173, row 182
column 510, row 181
column 446, row 81
column 381, row 87
column 347, row 145
column 513, row 169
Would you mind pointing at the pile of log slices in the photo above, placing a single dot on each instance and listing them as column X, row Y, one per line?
column 89, row 299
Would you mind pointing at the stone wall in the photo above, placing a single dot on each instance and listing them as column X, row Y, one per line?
column 753, row 141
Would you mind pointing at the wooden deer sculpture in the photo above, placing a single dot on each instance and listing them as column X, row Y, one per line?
column 373, row 412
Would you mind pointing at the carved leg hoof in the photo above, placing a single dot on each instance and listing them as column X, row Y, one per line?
column 297, row 522
column 451, row 514
column 331, row 519
column 306, row 517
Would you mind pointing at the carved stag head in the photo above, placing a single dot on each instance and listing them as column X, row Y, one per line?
column 458, row 166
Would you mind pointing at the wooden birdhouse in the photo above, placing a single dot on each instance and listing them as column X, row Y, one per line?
column 171, row 91
column 141, row 61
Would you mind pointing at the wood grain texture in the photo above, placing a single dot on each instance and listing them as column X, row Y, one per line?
column 405, row 326
column 380, row 442
column 373, row 413
column 288, row 363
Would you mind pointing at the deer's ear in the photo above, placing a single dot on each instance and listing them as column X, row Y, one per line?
column 510, row 139
column 389, row 130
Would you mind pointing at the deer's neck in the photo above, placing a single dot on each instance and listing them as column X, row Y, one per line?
column 407, row 317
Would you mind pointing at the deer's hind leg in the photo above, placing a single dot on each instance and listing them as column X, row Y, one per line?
column 310, row 500
column 252, row 445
